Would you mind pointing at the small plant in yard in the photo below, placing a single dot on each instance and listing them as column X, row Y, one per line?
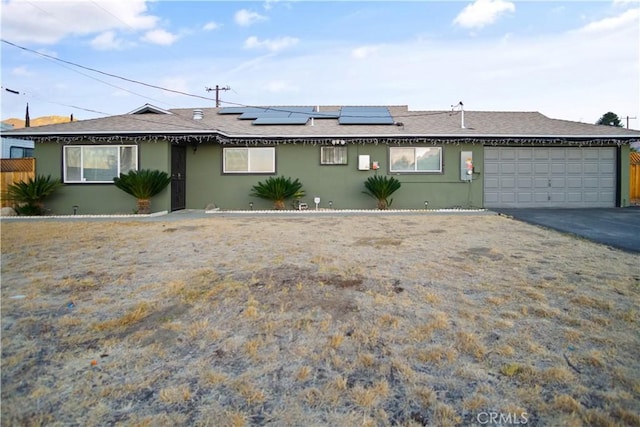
column 143, row 184
column 30, row 195
column 278, row 189
column 381, row 188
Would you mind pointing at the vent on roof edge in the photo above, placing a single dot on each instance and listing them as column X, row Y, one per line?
column 197, row 115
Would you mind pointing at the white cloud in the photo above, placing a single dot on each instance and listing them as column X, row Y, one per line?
column 210, row 26
column 174, row 83
column 106, row 41
column 22, row 72
column 160, row 37
column 628, row 18
column 49, row 22
column 624, row 3
column 246, row 18
column 273, row 45
column 363, row 52
column 560, row 75
column 483, row 12
column 279, row 86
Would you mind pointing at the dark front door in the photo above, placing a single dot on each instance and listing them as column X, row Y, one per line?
column 178, row 177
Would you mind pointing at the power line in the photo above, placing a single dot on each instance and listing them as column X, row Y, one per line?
column 112, row 85
column 105, row 73
column 217, row 100
column 112, row 14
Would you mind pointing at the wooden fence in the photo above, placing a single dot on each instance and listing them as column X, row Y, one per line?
column 14, row 170
column 634, row 174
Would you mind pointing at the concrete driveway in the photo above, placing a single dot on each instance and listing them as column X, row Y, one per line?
column 616, row 227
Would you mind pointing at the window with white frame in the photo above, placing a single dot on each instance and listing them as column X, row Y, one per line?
column 415, row 159
column 249, row 160
column 98, row 163
column 333, row 155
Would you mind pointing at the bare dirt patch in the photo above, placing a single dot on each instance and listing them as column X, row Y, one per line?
column 395, row 320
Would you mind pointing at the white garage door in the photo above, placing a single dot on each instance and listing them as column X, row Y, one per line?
column 521, row 177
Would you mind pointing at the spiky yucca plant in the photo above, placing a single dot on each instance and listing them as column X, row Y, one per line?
column 143, row 184
column 30, row 195
column 381, row 188
column 278, row 189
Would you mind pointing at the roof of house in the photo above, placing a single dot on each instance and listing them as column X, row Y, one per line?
column 150, row 120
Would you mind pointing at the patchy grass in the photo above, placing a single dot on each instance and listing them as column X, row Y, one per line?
column 389, row 320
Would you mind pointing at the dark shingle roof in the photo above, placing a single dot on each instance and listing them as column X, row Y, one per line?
column 408, row 123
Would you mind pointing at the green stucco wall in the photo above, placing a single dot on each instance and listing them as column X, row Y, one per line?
column 99, row 198
column 343, row 185
column 625, row 171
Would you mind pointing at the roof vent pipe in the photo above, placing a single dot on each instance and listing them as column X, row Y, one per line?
column 197, row 115
column 461, row 115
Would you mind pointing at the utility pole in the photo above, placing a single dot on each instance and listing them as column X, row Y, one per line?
column 217, row 89
column 630, row 118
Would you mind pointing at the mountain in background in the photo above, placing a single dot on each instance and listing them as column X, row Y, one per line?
column 39, row 121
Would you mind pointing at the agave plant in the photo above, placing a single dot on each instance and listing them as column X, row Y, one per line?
column 143, row 184
column 278, row 189
column 381, row 188
column 30, row 195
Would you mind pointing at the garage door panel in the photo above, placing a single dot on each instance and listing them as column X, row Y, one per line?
column 574, row 168
column 591, row 168
column 508, row 168
column 525, row 168
column 524, row 183
column 606, row 169
column 607, row 154
column 550, row 176
column 508, row 154
column 574, row 182
column 574, row 197
column 541, row 182
column 591, row 196
column 507, row 197
column 541, row 168
column 574, row 155
column 541, row 154
column 525, row 153
column 507, row 183
column 590, row 182
column 524, row 198
column 491, row 168
column 593, row 154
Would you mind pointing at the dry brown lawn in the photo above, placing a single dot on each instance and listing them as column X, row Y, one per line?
column 316, row 321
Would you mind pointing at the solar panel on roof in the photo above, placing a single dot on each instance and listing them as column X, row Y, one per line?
column 325, row 114
column 355, row 115
column 351, row 115
column 301, row 120
column 371, row 120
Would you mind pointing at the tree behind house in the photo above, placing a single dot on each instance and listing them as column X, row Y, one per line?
column 609, row 119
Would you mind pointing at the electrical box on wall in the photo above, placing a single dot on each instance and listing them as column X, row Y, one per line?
column 364, row 160
column 466, row 165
